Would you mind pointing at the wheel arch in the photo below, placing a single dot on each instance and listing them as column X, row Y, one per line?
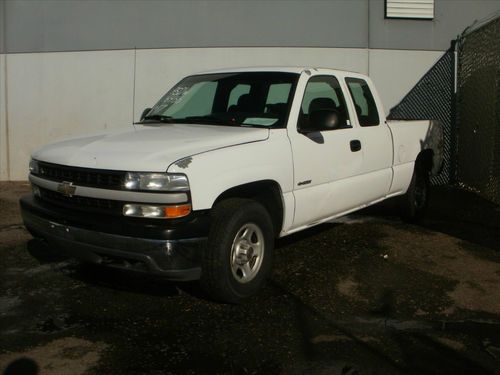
column 425, row 159
column 266, row 192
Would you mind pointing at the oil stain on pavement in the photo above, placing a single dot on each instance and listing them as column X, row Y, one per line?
column 365, row 295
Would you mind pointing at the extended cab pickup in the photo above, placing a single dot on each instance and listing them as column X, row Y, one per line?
column 223, row 164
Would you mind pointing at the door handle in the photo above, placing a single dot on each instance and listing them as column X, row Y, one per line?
column 355, row 145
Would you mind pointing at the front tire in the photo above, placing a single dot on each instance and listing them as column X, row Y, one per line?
column 413, row 204
column 238, row 257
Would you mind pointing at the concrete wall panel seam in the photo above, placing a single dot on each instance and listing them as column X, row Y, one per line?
column 6, row 132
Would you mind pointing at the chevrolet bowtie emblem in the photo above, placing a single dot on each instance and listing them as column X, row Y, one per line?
column 66, row 188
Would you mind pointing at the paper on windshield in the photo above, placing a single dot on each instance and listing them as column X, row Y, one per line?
column 260, row 121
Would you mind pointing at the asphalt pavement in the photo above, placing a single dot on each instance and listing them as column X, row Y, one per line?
column 367, row 294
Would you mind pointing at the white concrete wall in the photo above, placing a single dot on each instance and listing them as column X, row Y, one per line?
column 395, row 72
column 57, row 95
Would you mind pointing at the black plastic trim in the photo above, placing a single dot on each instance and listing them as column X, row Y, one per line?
column 173, row 259
column 196, row 224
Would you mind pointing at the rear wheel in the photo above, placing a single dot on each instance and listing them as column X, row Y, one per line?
column 238, row 257
column 414, row 202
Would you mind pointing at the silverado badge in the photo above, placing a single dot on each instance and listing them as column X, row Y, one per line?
column 66, row 188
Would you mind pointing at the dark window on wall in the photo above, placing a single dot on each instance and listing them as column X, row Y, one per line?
column 366, row 109
column 409, row 9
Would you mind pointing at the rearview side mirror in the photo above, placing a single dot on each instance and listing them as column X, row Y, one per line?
column 320, row 120
column 144, row 113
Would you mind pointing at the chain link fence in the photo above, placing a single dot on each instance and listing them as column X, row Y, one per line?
column 432, row 99
column 465, row 96
column 478, row 110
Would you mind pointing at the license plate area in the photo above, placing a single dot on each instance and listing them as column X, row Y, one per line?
column 61, row 230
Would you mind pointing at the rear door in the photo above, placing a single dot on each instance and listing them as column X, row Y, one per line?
column 375, row 138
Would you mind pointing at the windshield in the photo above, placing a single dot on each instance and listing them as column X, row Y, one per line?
column 259, row 99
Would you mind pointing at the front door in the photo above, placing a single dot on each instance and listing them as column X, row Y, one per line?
column 326, row 163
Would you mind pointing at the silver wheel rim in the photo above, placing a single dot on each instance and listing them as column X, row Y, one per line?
column 247, row 253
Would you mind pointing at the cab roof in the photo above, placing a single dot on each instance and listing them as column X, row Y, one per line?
column 284, row 69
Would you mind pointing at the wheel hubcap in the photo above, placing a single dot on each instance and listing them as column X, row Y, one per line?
column 247, row 253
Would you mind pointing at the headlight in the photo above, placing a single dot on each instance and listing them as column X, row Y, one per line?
column 156, row 212
column 34, row 169
column 156, row 181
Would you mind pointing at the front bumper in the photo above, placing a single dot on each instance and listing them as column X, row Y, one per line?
column 175, row 259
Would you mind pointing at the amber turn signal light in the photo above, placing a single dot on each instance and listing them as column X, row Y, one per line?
column 173, row 212
column 156, row 212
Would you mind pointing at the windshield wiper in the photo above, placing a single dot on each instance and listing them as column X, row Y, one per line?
column 205, row 119
column 157, row 118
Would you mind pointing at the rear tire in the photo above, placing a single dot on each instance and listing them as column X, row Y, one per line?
column 238, row 257
column 413, row 204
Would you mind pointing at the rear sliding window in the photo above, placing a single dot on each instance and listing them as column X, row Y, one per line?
column 366, row 109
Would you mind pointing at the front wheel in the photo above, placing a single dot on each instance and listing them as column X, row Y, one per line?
column 238, row 256
column 414, row 202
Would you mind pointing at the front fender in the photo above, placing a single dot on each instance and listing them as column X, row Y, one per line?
column 212, row 173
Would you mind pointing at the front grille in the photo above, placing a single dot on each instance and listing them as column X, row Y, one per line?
column 81, row 203
column 103, row 179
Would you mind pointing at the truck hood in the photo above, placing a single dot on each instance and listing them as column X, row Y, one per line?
column 146, row 148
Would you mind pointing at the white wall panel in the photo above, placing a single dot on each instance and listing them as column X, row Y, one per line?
column 57, row 95
column 395, row 72
column 159, row 69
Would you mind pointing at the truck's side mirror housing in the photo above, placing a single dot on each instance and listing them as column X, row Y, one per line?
column 320, row 120
column 144, row 113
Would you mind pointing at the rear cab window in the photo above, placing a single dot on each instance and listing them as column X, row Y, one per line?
column 364, row 103
column 238, row 91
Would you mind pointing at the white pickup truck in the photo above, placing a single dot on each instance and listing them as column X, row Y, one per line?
column 223, row 164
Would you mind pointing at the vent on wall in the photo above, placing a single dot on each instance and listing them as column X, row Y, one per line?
column 410, row 9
